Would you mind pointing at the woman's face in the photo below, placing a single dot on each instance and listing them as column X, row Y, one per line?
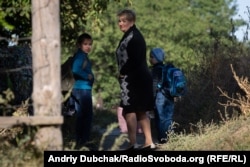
column 124, row 24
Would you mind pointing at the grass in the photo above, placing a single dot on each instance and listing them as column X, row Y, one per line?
column 233, row 134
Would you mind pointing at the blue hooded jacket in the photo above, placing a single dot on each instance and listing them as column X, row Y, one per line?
column 81, row 68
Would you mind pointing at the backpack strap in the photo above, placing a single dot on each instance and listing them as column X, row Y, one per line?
column 164, row 86
column 160, row 81
column 165, row 68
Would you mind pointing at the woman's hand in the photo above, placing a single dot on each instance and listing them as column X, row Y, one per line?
column 121, row 76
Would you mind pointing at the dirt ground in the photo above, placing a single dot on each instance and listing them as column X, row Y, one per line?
column 111, row 141
column 116, row 134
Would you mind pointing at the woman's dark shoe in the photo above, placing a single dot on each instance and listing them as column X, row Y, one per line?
column 150, row 147
column 133, row 148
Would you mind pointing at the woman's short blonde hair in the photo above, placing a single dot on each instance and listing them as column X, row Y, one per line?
column 130, row 14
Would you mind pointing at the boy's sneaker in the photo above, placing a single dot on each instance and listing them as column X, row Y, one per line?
column 163, row 141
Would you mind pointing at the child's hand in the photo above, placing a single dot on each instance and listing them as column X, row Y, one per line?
column 90, row 77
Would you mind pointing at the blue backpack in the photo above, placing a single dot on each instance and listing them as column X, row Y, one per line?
column 174, row 81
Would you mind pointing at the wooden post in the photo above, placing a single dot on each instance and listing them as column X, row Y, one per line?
column 46, row 48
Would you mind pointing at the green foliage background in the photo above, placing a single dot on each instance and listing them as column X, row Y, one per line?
column 188, row 32
column 198, row 36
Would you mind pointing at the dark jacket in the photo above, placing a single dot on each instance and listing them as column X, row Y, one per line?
column 135, row 77
column 158, row 79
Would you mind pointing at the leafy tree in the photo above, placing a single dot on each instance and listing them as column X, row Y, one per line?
column 185, row 29
column 189, row 31
column 16, row 13
column 74, row 16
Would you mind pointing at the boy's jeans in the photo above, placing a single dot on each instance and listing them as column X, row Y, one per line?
column 84, row 114
column 164, row 110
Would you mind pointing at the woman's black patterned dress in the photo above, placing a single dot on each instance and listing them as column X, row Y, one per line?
column 135, row 77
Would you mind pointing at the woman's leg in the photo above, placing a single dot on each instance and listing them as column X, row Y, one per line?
column 145, row 125
column 131, row 126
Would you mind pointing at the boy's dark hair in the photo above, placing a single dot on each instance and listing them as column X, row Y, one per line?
column 82, row 37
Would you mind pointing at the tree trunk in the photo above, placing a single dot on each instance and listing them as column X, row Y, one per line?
column 46, row 48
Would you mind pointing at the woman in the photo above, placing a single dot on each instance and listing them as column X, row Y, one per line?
column 135, row 79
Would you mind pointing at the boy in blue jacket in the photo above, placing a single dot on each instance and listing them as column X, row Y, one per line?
column 164, row 103
column 82, row 89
